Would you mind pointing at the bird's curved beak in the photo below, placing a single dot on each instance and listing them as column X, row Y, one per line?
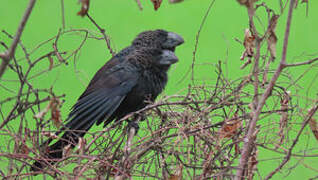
column 173, row 40
column 167, row 58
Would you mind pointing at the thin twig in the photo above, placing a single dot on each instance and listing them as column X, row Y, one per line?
column 107, row 40
column 311, row 113
column 302, row 63
column 197, row 39
column 63, row 14
column 7, row 56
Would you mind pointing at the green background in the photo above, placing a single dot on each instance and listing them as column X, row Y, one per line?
column 123, row 21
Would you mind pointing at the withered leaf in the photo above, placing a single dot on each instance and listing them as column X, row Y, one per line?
column 249, row 45
column 237, row 149
column 23, row 149
column 271, row 42
column 272, row 38
column 55, row 112
column 81, row 145
column 67, row 150
column 156, row 3
column 284, row 116
column 230, row 127
column 84, row 9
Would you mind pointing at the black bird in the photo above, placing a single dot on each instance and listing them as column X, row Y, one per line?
column 133, row 77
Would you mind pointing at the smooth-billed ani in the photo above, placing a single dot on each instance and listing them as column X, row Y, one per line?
column 133, row 77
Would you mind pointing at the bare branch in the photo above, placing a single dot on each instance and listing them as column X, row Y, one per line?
column 248, row 138
column 302, row 63
column 7, row 56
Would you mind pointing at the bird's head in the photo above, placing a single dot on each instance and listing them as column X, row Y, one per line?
column 158, row 39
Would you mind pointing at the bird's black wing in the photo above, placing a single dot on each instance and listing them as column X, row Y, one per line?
column 104, row 94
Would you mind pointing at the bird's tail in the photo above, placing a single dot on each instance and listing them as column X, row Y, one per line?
column 54, row 152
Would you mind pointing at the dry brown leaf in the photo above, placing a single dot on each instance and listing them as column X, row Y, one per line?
column 55, row 112
column 84, row 9
column 67, row 150
column 156, row 3
column 304, row 1
column 271, row 42
column 272, row 38
column 81, row 145
column 23, row 149
column 230, row 127
column 237, row 149
column 249, row 45
column 284, row 116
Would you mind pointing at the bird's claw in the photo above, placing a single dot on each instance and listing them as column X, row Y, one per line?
column 133, row 124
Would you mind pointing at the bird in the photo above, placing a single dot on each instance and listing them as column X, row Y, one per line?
column 126, row 83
